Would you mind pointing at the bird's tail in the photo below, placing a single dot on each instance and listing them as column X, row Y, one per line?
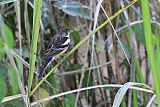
column 41, row 73
column 48, row 59
column 43, row 67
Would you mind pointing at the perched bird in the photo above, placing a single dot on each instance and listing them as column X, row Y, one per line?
column 56, row 48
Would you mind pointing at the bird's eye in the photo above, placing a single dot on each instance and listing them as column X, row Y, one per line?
column 63, row 33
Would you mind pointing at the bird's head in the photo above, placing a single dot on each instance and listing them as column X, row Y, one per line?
column 65, row 32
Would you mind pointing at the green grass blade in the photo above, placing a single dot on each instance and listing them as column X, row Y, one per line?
column 13, row 79
column 9, row 98
column 3, row 89
column 36, row 23
column 149, row 46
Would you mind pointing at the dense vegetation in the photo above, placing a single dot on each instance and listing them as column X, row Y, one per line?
column 113, row 58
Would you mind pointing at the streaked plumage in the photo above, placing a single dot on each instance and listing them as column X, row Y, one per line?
column 56, row 48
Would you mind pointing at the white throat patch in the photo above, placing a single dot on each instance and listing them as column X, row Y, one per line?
column 66, row 42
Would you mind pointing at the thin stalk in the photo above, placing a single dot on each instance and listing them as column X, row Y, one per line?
column 17, row 8
column 26, row 21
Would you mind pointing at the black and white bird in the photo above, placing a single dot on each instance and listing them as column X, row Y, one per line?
column 56, row 48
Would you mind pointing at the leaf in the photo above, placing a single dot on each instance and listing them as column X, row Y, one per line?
column 3, row 71
column 18, row 102
column 43, row 94
column 1, row 47
column 122, row 91
column 74, row 8
column 13, row 78
column 76, row 37
column 9, row 36
column 138, row 29
column 69, row 100
column 47, row 15
column 3, row 88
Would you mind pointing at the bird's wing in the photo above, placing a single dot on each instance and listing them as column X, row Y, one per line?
column 57, row 42
column 56, row 46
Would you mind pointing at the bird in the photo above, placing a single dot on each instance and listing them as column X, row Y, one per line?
column 57, row 47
